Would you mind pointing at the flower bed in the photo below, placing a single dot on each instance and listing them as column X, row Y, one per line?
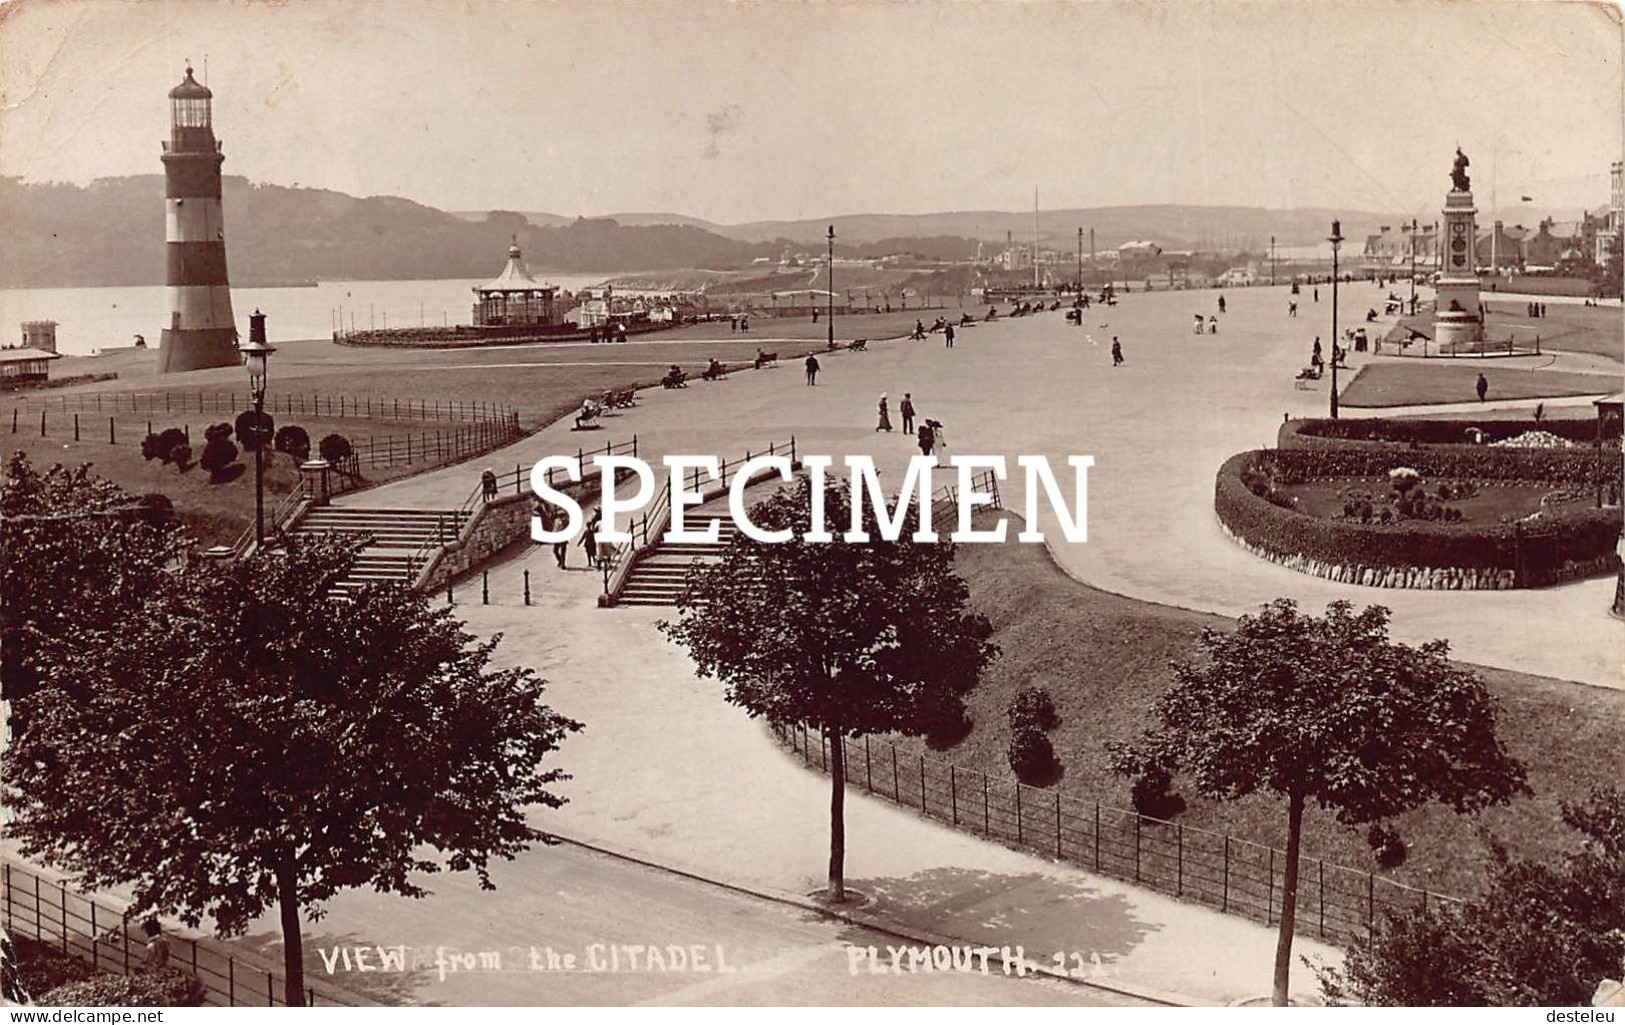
column 1322, row 433
column 1561, row 543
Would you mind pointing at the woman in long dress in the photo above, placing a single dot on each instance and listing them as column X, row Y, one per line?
column 884, row 422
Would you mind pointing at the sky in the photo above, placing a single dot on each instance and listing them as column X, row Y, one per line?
column 777, row 109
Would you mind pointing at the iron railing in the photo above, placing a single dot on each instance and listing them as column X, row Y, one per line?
column 53, row 914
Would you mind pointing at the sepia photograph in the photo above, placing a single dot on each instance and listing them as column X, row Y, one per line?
column 902, row 504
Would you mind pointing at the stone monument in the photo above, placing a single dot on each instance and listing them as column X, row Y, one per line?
column 1457, row 322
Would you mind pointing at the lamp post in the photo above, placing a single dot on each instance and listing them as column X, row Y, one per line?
column 1080, row 264
column 1413, row 266
column 829, row 314
column 1336, row 239
column 257, row 357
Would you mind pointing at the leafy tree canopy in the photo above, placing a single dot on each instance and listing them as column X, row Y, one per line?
column 1539, row 936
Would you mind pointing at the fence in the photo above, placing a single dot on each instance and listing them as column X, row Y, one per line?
column 52, row 914
column 1237, row 877
column 449, row 444
column 281, row 401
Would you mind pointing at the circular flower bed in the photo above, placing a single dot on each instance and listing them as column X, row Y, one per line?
column 1421, row 544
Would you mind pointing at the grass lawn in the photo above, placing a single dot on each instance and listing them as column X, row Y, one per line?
column 1104, row 659
column 1566, row 327
column 217, row 512
column 1416, row 383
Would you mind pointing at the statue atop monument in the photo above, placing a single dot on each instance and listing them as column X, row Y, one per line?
column 1458, row 173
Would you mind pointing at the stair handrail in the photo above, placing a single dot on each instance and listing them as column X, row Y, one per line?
column 281, row 514
column 519, row 476
column 423, row 554
column 647, row 529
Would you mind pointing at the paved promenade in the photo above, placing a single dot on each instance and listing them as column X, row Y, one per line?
column 1158, row 427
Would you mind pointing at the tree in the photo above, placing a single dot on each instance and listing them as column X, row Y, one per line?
column 1326, row 709
column 75, row 549
column 254, row 429
column 244, row 742
column 844, row 638
column 1539, row 936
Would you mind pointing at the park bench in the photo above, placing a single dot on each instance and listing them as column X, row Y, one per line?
column 859, row 345
column 590, row 411
column 674, row 378
column 765, row 359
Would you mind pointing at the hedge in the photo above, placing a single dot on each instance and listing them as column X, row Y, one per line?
column 1559, row 546
column 1305, row 457
column 151, row 987
column 1307, row 433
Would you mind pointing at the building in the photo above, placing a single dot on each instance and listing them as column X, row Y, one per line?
column 1502, row 247
column 515, row 298
column 1389, row 251
column 1138, row 250
column 24, row 365
column 199, row 331
column 1563, row 243
column 39, row 334
column 1610, row 230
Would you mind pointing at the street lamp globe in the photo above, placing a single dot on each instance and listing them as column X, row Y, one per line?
column 256, row 354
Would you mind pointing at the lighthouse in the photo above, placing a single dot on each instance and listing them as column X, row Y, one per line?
column 198, row 330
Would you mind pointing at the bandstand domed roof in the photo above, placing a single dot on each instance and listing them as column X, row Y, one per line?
column 190, row 89
column 515, row 277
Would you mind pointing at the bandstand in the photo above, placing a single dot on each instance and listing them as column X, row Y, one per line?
column 515, row 298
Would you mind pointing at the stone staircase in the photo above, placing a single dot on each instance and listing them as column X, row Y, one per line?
column 397, row 535
column 657, row 578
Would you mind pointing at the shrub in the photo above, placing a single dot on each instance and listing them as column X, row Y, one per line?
column 293, row 440
column 218, row 454
column 1032, row 706
column 181, row 456
column 156, row 509
column 214, row 431
column 1152, row 796
column 155, row 987
column 253, row 429
column 1032, row 756
column 1387, row 846
column 335, row 448
column 945, row 721
column 42, row 967
column 162, row 446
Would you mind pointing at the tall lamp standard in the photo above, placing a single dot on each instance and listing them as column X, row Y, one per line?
column 257, row 357
column 1413, row 266
column 1336, row 239
column 829, row 314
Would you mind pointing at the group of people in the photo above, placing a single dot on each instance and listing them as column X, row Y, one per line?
column 1539, row 309
column 739, row 322
column 553, row 518
column 928, row 434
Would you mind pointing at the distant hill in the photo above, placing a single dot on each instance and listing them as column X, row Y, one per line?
column 111, row 232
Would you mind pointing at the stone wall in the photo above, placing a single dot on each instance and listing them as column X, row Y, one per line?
column 496, row 526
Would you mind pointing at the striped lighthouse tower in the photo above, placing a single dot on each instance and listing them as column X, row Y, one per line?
column 199, row 331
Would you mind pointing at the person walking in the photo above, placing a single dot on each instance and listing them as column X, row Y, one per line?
column 812, row 371
column 1317, row 295
column 589, row 540
column 1221, row 304
column 906, row 409
column 927, row 439
column 948, row 335
column 488, row 485
column 1483, row 387
column 883, row 422
column 1117, row 352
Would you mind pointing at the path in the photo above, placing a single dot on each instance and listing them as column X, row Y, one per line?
column 665, row 770
column 1158, row 428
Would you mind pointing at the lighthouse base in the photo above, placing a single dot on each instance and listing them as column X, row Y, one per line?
column 197, row 349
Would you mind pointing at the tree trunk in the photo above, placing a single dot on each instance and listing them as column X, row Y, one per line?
column 1289, row 899
column 293, row 944
column 837, row 815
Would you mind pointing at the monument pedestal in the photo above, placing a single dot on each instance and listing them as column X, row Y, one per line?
column 1457, row 324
